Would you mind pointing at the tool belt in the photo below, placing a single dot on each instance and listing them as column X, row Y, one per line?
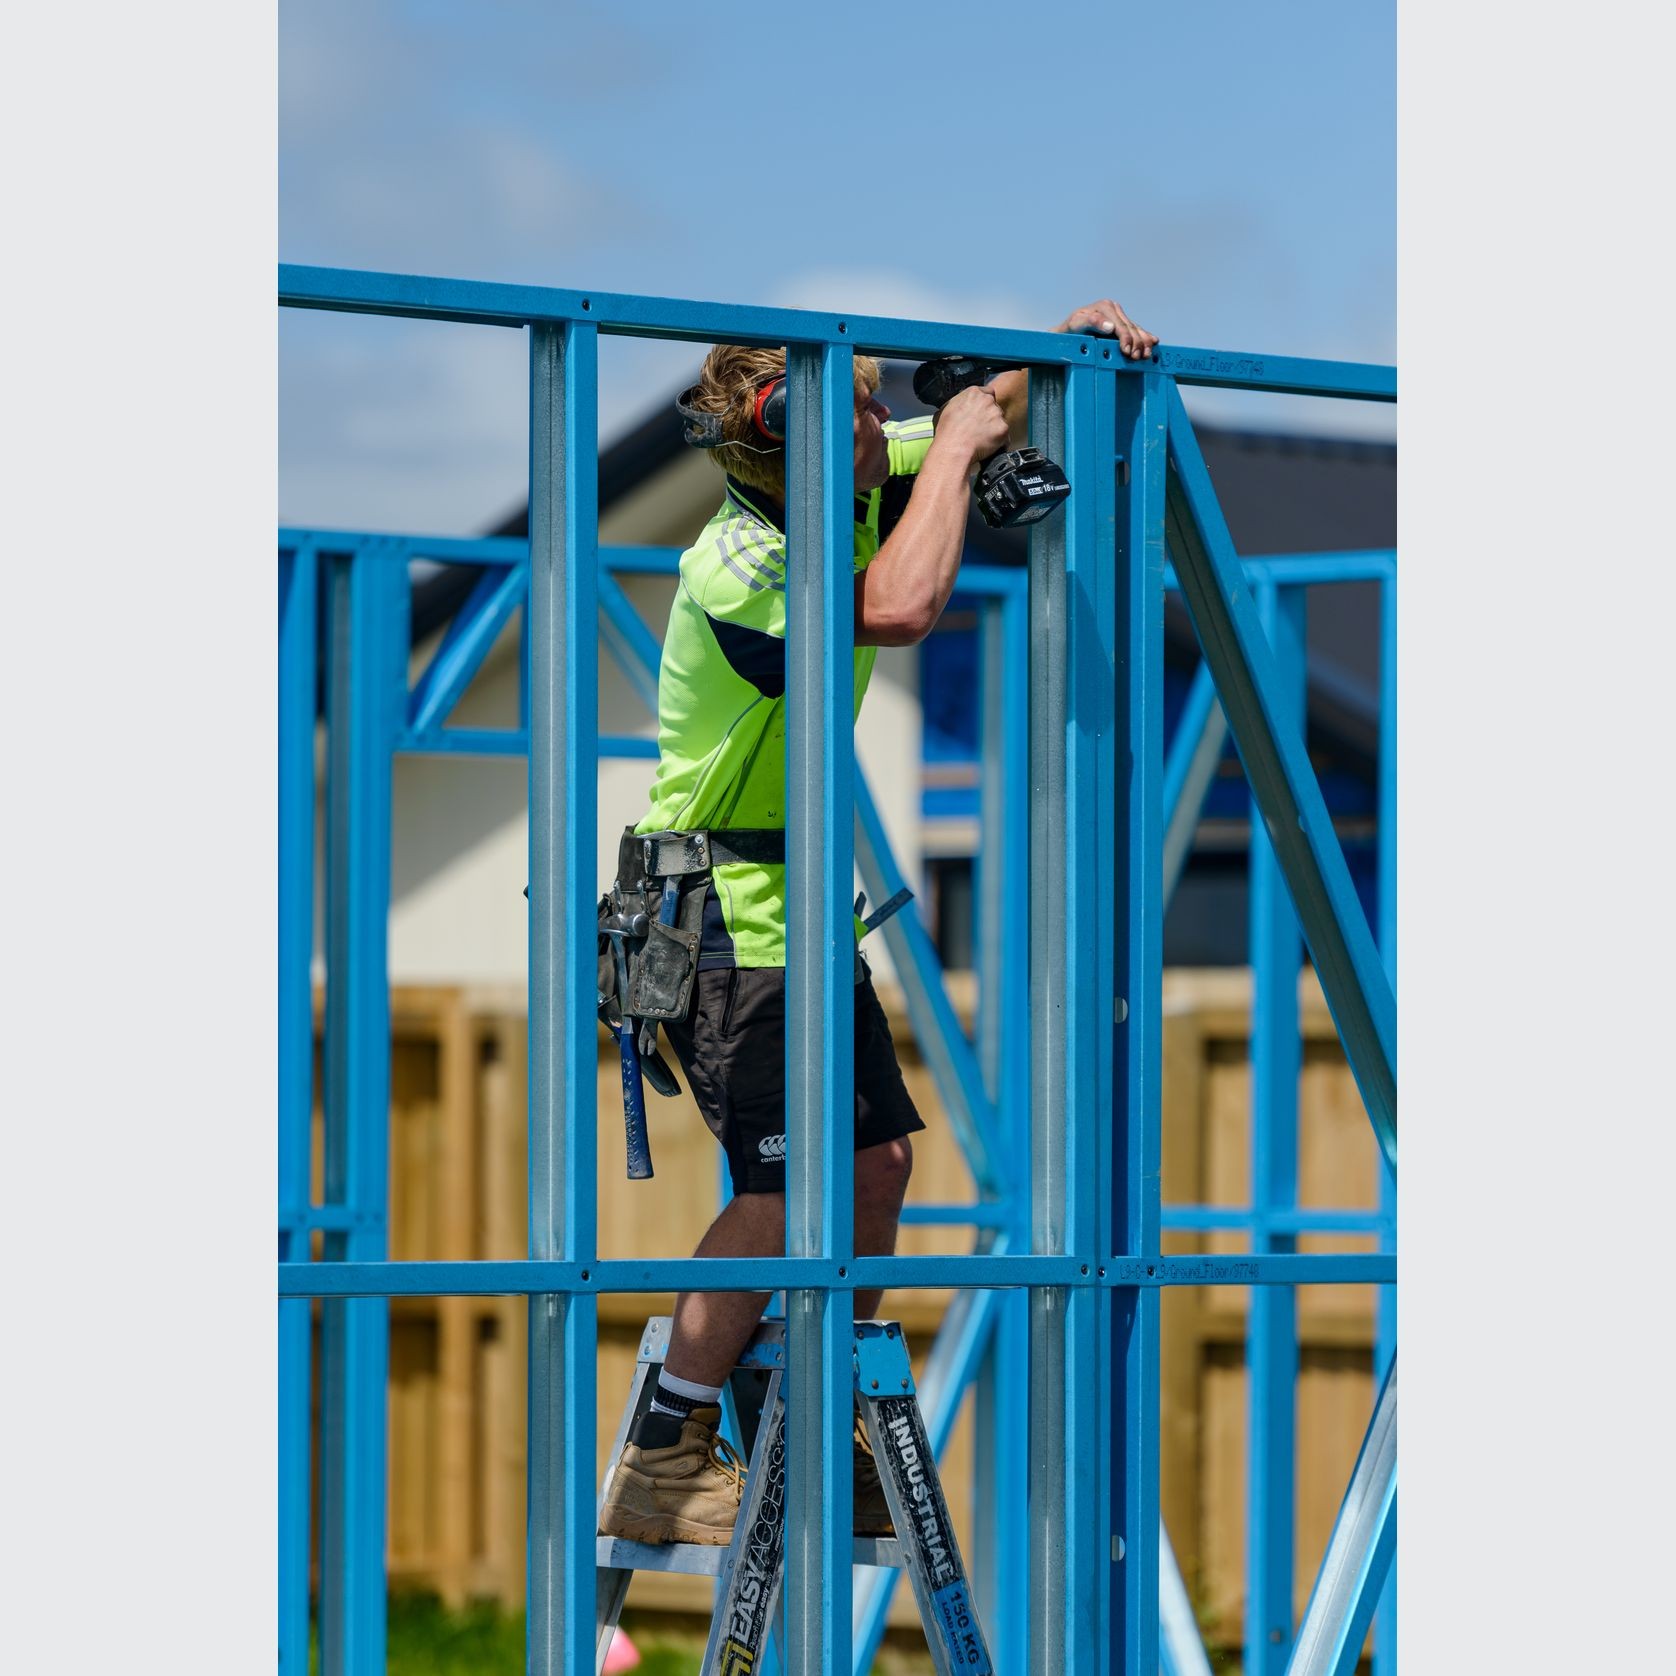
column 655, row 909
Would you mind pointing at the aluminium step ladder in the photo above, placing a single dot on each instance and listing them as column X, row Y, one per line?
column 750, row 1569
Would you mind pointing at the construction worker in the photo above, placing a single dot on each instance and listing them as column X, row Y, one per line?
column 721, row 770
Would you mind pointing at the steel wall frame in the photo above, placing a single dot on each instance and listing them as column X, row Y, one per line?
column 1086, row 1247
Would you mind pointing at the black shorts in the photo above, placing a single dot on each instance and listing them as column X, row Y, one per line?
column 733, row 1045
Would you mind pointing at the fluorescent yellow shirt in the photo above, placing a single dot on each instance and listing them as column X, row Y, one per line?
column 721, row 699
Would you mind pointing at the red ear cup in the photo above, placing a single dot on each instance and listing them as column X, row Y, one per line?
column 769, row 415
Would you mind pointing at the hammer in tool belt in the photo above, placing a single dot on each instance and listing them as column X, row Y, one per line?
column 619, row 929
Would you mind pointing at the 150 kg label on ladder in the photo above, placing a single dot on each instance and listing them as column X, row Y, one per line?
column 959, row 1624
column 750, row 1592
column 930, row 1534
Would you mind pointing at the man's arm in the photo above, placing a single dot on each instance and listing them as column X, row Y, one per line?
column 1012, row 389
column 901, row 594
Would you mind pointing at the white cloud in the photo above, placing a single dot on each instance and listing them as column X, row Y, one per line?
column 414, row 426
column 1211, row 272
column 901, row 296
column 1293, row 415
column 424, row 146
column 904, row 296
column 400, row 425
column 466, row 201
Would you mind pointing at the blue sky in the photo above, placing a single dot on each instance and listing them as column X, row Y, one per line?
column 1225, row 170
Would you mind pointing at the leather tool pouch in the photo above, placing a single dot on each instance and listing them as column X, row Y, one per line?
column 661, row 974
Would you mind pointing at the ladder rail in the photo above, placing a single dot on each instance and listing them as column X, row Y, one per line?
column 612, row 1581
column 913, row 1491
column 949, row 1367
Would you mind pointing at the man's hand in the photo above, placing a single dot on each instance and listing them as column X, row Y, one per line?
column 1102, row 319
column 971, row 425
column 1105, row 318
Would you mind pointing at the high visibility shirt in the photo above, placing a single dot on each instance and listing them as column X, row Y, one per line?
column 721, row 695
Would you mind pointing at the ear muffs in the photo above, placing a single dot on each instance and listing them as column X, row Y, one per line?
column 769, row 415
column 704, row 430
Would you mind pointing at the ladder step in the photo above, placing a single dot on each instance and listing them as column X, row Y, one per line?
column 695, row 1559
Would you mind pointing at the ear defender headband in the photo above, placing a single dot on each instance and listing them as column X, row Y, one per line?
column 704, row 430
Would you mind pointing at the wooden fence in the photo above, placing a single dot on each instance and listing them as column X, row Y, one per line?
column 457, row 1365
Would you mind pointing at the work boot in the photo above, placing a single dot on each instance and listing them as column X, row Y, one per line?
column 872, row 1512
column 676, row 1481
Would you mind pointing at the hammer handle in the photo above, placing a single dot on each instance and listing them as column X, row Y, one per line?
column 634, row 1093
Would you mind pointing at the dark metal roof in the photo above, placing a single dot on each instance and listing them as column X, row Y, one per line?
column 628, row 462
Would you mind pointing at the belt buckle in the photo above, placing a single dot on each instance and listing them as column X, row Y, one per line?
column 694, row 857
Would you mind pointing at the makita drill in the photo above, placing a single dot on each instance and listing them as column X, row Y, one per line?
column 1014, row 486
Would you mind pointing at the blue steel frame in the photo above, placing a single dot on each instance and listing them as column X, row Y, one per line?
column 1066, row 1279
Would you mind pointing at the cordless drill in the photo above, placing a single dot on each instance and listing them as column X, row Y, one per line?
column 1015, row 485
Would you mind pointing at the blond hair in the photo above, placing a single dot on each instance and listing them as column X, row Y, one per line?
column 728, row 384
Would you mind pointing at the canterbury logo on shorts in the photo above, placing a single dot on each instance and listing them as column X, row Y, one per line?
column 772, row 1149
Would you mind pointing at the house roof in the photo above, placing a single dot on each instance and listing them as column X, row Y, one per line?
column 1280, row 493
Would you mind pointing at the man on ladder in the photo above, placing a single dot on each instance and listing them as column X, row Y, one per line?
column 710, row 854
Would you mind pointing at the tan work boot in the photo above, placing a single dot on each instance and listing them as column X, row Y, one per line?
column 676, row 1481
column 872, row 1512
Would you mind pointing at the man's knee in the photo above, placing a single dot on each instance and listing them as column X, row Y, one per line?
column 881, row 1172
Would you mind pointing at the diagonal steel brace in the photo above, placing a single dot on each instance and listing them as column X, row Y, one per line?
column 1277, row 766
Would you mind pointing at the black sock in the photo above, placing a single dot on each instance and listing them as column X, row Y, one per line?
column 679, row 1397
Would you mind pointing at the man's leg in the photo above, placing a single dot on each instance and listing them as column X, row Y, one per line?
column 669, row 1484
column 712, row 1328
column 881, row 1181
column 674, row 1481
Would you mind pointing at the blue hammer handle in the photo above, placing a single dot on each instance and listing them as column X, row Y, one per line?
column 634, row 1094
